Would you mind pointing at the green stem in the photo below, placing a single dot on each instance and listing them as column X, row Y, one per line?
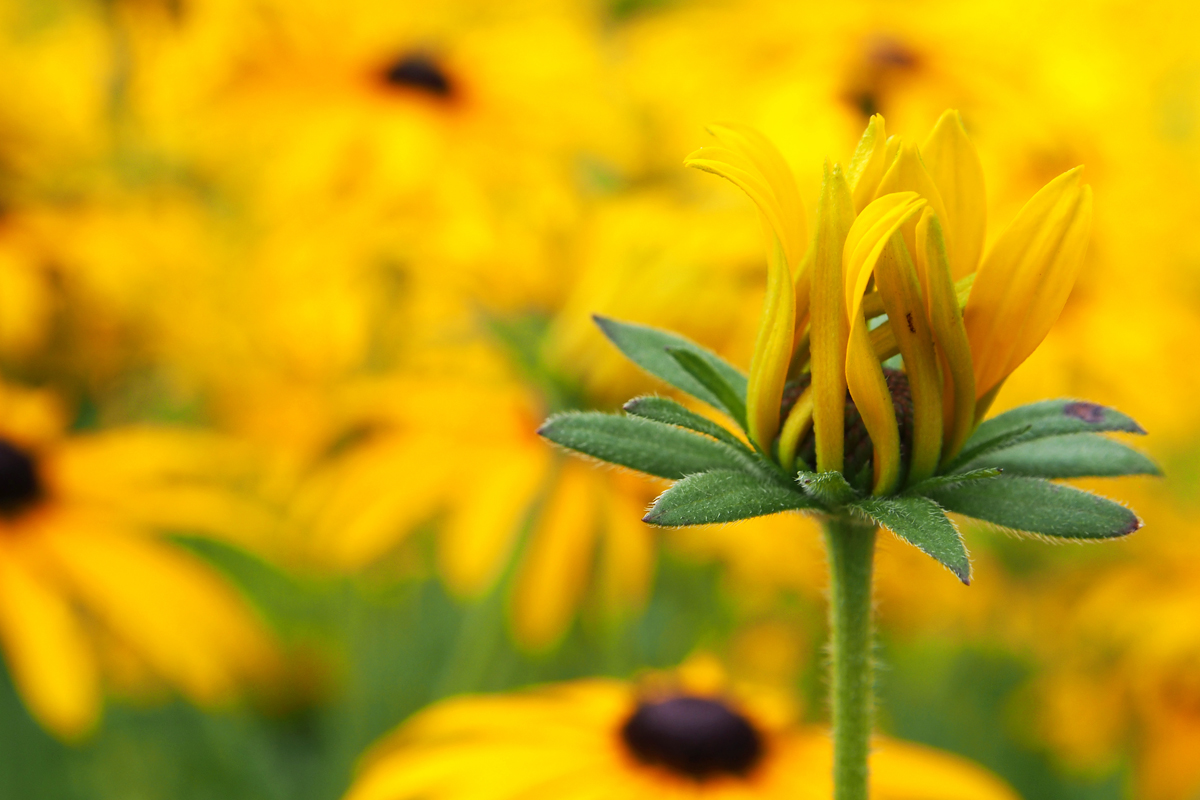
column 851, row 547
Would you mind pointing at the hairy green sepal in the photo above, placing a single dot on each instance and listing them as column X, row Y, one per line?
column 922, row 523
column 722, row 496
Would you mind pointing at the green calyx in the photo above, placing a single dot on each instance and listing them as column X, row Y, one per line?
column 1003, row 475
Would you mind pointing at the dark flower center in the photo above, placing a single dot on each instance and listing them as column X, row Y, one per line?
column 858, row 450
column 19, row 483
column 420, row 72
column 693, row 736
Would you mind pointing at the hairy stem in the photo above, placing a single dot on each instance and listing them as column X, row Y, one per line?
column 851, row 548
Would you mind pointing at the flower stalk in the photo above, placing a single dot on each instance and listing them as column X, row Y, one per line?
column 851, row 549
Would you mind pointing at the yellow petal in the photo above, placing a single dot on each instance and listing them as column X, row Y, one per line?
column 46, row 649
column 865, row 243
column 868, row 163
column 627, row 566
column 556, row 565
column 174, row 611
column 478, row 538
column 798, row 422
column 954, row 166
column 896, row 277
column 772, row 354
column 907, row 173
column 750, row 161
column 945, row 317
column 830, row 325
column 1023, row 283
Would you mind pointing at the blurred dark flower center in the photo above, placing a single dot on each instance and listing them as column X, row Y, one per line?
column 420, row 72
column 19, row 483
column 693, row 736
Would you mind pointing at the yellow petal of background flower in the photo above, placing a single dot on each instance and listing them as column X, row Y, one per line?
column 945, row 317
column 864, row 375
column 1023, row 283
column 896, row 277
column 953, row 163
column 479, row 535
column 189, row 626
column 46, row 648
column 553, row 572
column 830, row 324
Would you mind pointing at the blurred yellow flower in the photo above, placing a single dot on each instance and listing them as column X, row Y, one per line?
column 674, row 736
column 86, row 595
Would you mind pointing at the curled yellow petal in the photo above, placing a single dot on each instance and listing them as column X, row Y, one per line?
column 865, row 242
column 748, row 159
column 830, row 329
column 1023, row 283
column 896, row 277
column 954, row 165
column 945, row 318
column 772, row 354
column 751, row 162
column 797, row 424
column 868, row 163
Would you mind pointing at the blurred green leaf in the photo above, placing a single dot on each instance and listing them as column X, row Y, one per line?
column 647, row 347
column 703, row 371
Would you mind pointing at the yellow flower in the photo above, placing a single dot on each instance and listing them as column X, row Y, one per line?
column 683, row 736
column 86, row 596
column 899, row 237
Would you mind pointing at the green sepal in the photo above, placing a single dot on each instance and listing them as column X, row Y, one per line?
column 950, row 481
column 703, row 371
column 647, row 347
column 667, row 411
column 829, row 489
column 1034, row 505
column 1054, row 418
column 642, row 444
column 722, row 496
column 1072, row 455
column 922, row 523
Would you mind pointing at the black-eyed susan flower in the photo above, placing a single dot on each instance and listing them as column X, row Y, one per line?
column 828, row 424
column 681, row 736
column 88, row 597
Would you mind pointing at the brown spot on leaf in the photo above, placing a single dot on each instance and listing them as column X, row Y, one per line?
column 1090, row 413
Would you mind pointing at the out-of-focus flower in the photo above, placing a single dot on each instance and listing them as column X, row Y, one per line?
column 465, row 128
column 86, row 595
column 684, row 735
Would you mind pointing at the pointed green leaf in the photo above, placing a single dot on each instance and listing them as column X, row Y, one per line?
column 1038, row 506
column 1073, row 455
column 641, row 444
column 647, row 347
column 976, row 448
column 722, row 496
column 922, row 523
column 1055, row 417
column 950, row 481
column 827, row 488
column 703, row 371
column 666, row 410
